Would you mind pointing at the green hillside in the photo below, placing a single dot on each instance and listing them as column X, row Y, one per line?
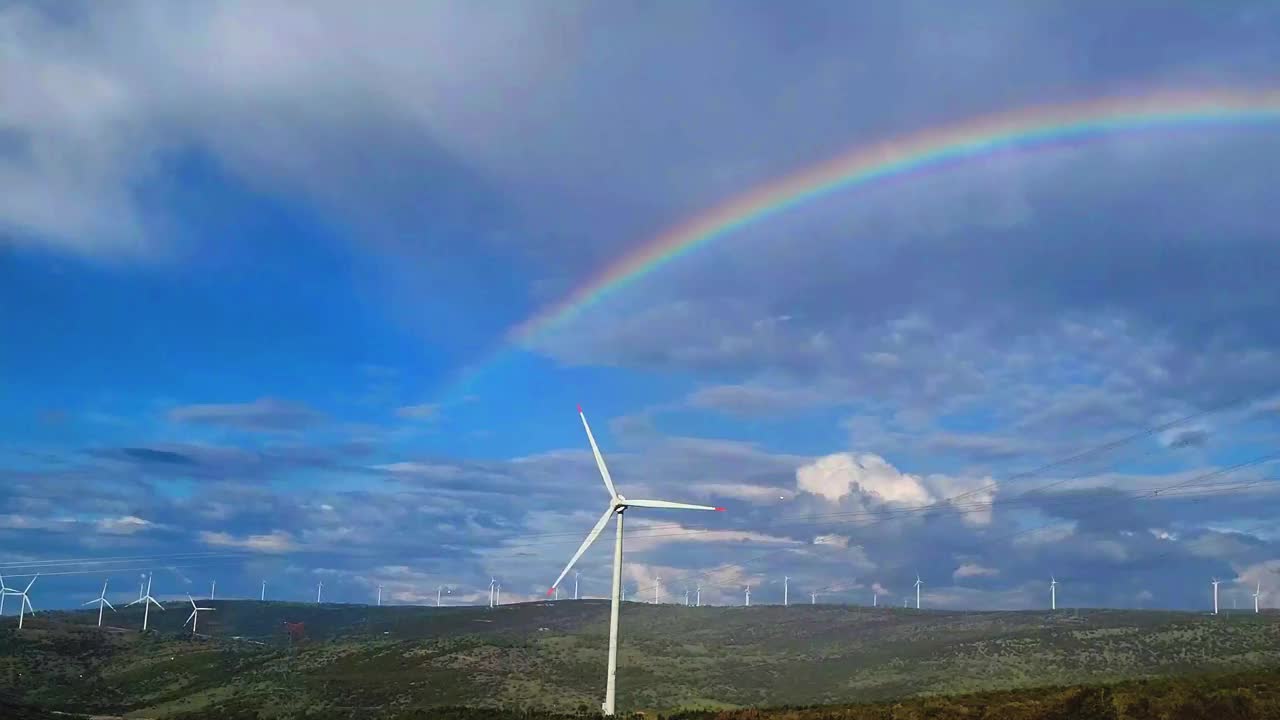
column 551, row 656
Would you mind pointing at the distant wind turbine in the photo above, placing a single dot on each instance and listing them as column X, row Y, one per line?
column 5, row 591
column 748, row 596
column 617, row 506
column 575, row 584
column 686, row 597
column 492, row 582
column 657, row 590
column 875, row 598
column 786, row 591
column 698, row 595
column 24, row 605
column 1053, row 593
column 147, row 601
column 439, row 589
column 1256, row 594
column 319, row 587
column 102, row 602
column 263, row 597
column 1214, row 583
column 813, row 598
column 918, row 584
column 379, row 596
column 213, row 589
column 497, row 594
column 194, row 617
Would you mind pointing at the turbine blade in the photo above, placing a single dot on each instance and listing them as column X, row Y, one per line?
column 604, row 470
column 90, row 602
column 135, row 602
column 193, row 602
column 193, row 614
column 108, row 602
column 670, row 505
column 155, row 602
column 33, row 582
column 591, row 537
column 27, row 601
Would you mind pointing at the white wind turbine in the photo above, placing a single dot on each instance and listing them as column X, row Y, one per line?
column 1257, row 594
column 813, row 598
column 698, row 596
column 686, row 597
column 748, row 596
column 5, row 591
column 194, row 617
column 319, row 587
column 492, row 583
column 147, row 601
column 379, row 596
column 657, row 590
column 1053, row 593
column 102, row 602
column 918, row 584
column 24, row 605
column 213, row 588
column 786, row 590
column 263, row 597
column 440, row 589
column 1214, row 583
column 575, row 584
column 617, row 506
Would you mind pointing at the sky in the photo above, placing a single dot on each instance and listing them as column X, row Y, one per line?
column 261, row 265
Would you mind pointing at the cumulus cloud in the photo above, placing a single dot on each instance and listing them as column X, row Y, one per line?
column 126, row 525
column 969, row 570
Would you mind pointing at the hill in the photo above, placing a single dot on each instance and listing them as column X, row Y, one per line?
column 551, row 656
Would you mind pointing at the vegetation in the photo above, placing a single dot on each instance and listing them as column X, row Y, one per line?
column 411, row 662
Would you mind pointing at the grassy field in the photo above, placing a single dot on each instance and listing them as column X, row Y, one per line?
column 550, row 656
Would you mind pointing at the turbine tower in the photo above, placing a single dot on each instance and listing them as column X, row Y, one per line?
column 440, row 588
column 786, row 591
column 1053, row 593
column 102, row 601
column 1214, row 583
column 24, row 605
column 575, row 584
column 813, row 598
column 263, row 597
column 617, row 506
column 213, row 588
column 379, row 596
column 319, row 587
column 698, row 596
column 147, row 601
column 918, row 584
column 194, row 617
column 1256, row 594
column 492, row 582
column 657, row 591
column 748, row 596
column 686, row 597
column 497, row 595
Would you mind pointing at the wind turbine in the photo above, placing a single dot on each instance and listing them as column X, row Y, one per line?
column 1215, row 595
column 213, row 588
column 25, row 604
column 748, row 596
column 194, row 617
column 617, row 506
column 319, row 586
column 657, row 590
column 875, row 599
column 698, row 601
column 557, row 597
column 5, row 591
column 1256, row 594
column 686, row 597
column 813, row 598
column 918, row 584
column 497, row 594
column 440, row 588
column 379, row 596
column 492, row 582
column 147, row 601
column 1053, row 593
column 263, row 598
column 575, row 584
column 786, row 589
column 102, row 601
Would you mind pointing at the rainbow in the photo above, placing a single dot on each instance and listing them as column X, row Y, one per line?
column 1022, row 129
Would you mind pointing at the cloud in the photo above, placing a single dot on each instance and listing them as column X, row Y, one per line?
column 1186, row 437
column 754, row 400
column 150, row 455
column 261, row 415
column 968, row 570
column 274, row 542
column 424, row 411
column 126, row 525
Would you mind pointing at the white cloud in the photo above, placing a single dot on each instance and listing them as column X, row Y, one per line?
column 125, row 525
column 836, row 476
column 974, row 570
column 277, row 541
column 424, row 411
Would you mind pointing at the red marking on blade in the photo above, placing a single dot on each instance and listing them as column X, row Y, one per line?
column 551, row 592
column 719, row 509
column 579, row 408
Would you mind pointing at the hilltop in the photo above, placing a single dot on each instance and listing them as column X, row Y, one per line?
column 551, row 655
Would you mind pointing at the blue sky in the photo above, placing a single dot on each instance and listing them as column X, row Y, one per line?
column 250, row 253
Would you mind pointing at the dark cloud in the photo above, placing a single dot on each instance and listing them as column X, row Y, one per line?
column 148, row 455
